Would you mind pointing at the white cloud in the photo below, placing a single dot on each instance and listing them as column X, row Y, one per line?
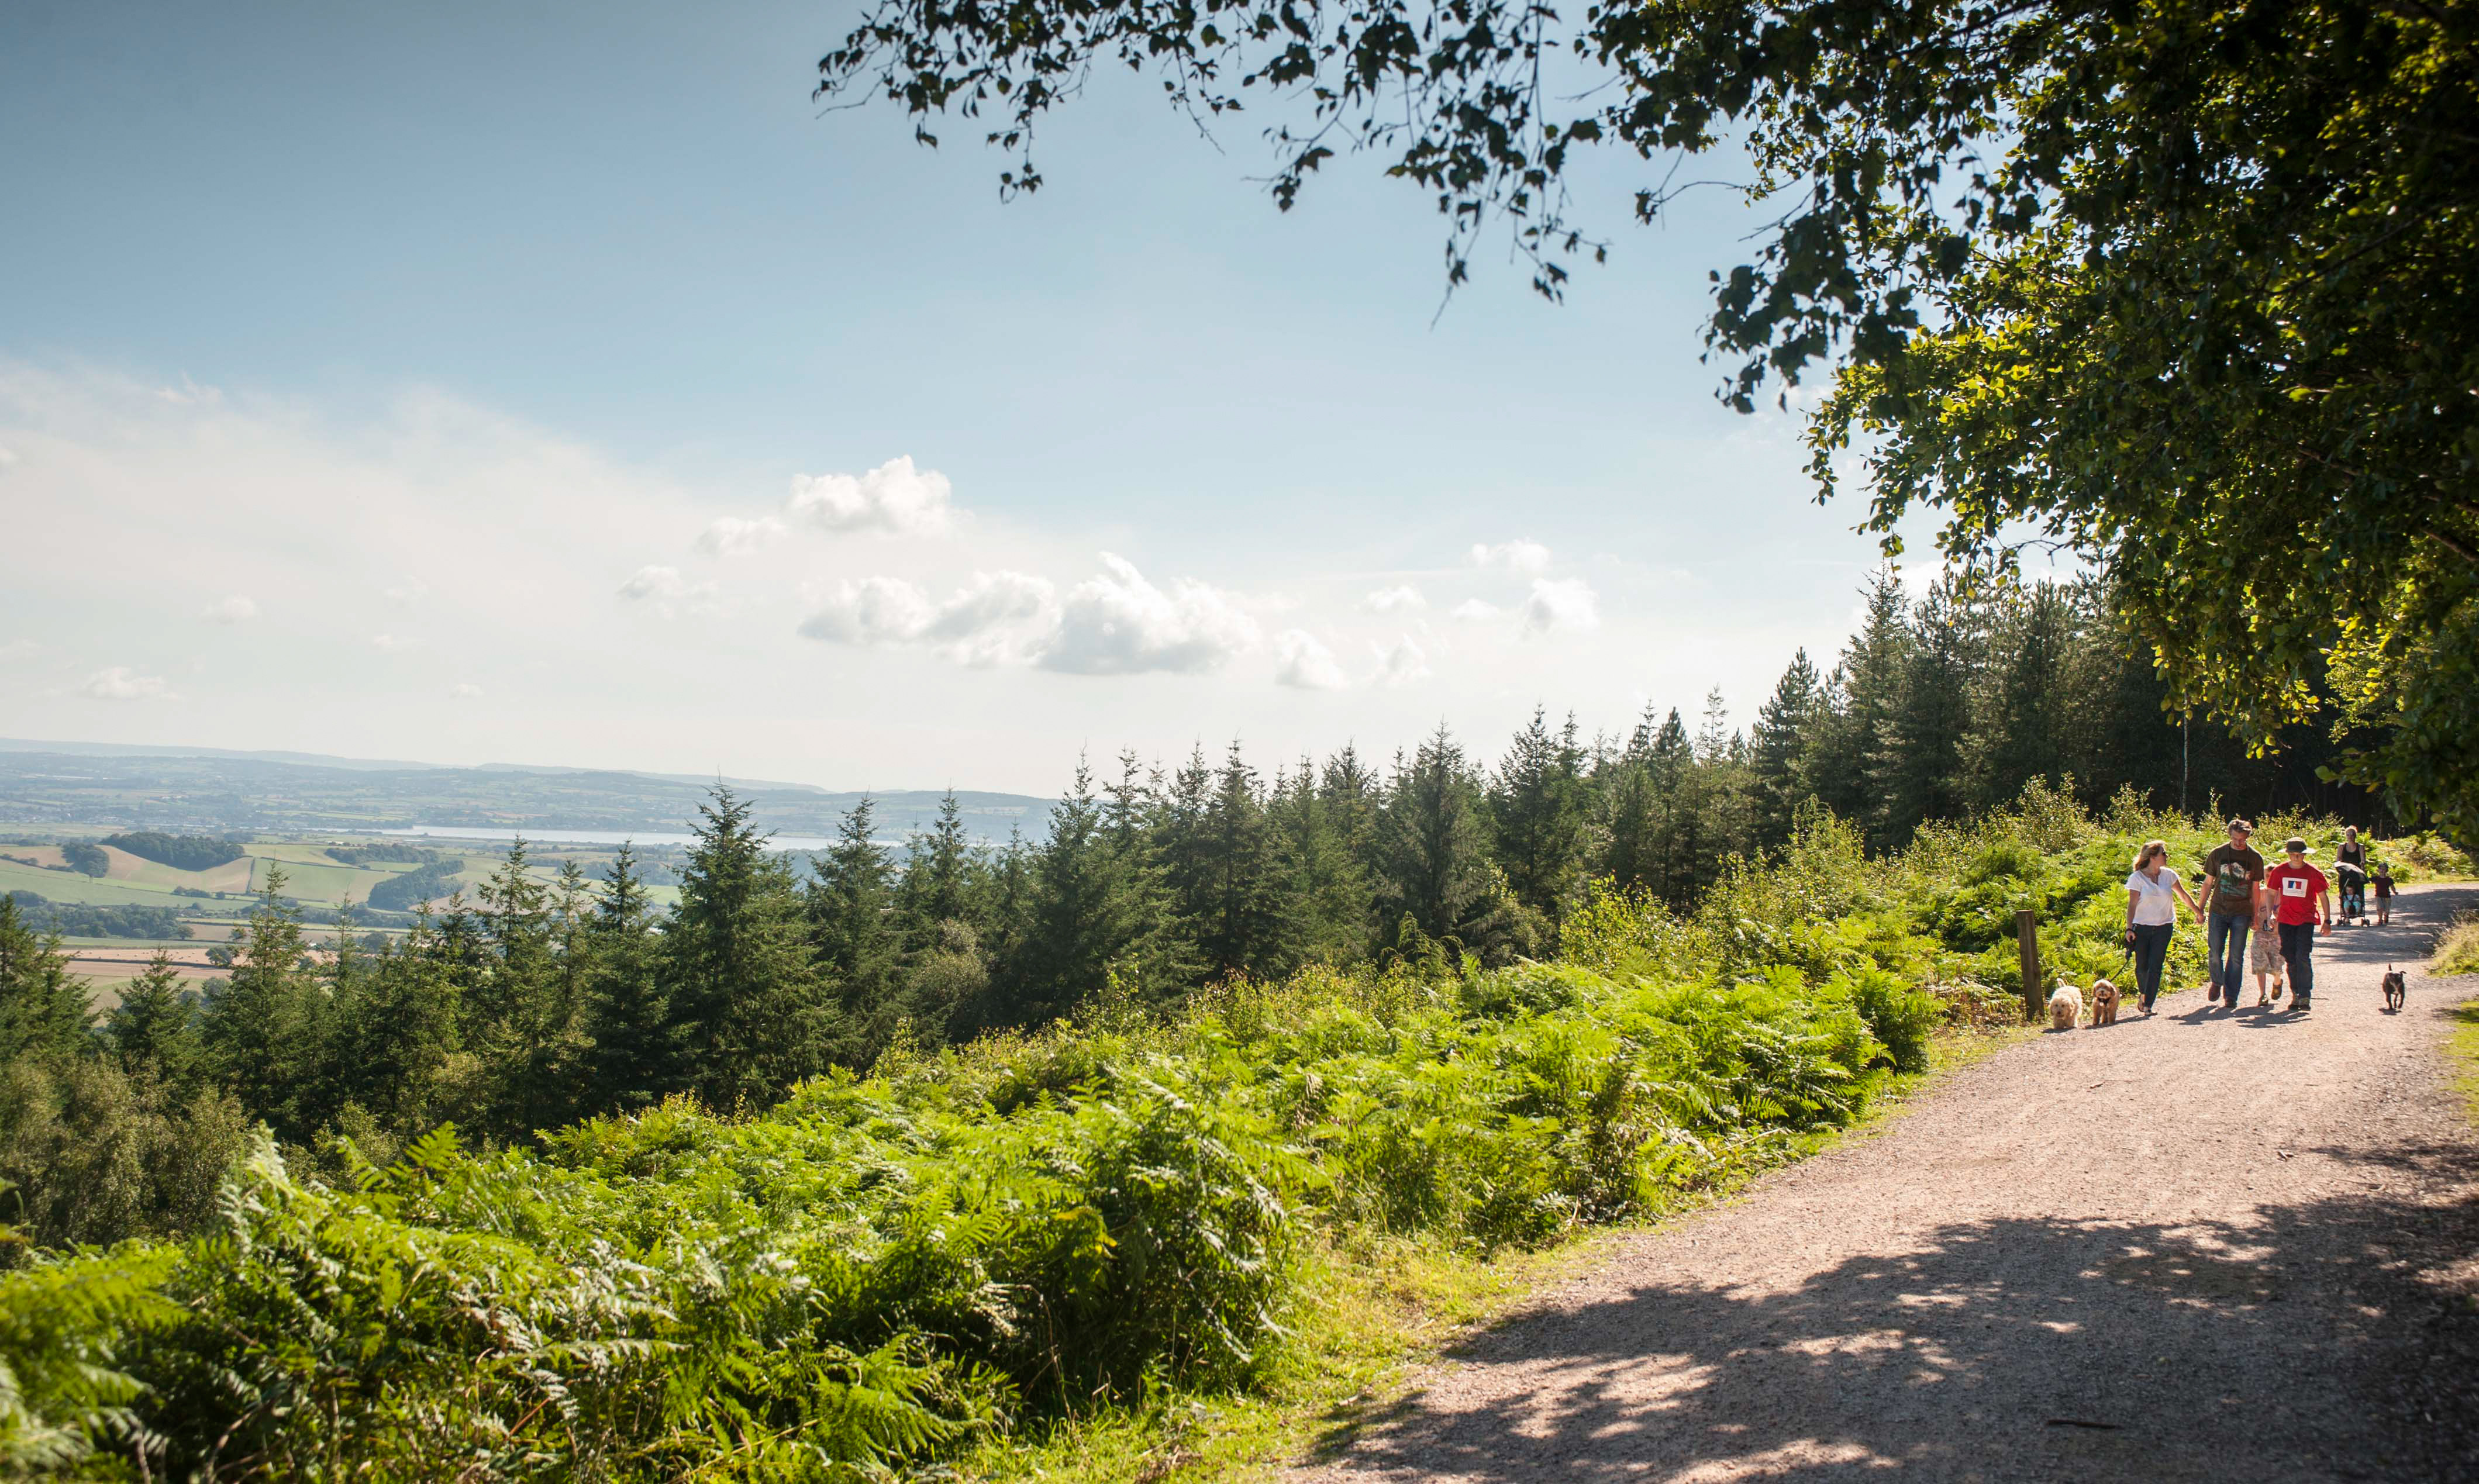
column 17, row 649
column 1529, row 557
column 1119, row 623
column 1471, row 611
column 465, row 690
column 653, row 582
column 894, row 499
column 392, row 644
column 665, row 591
column 1567, row 605
column 875, row 610
column 1303, row 663
column 406, row 593
column 189, row 393
column 235, row 610
column 729, row 536
column 8, row 457
column 999, row 617
column 119, row 682
column 1386, row 600
column 1402, row 663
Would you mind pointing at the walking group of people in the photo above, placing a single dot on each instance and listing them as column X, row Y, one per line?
column 2280, row 907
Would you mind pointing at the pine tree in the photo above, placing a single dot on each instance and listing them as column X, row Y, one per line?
column 154, row 1029
column 396, row 1035
column 1085, row 918
column 1324, row 879
column 1433, row 843
column 1538, row 807
column 938, row 880
column 1866, row 688
column 265, row 1031
column 43, row 1009
column 635, row 1047
column 1918, row 773
column 850, row 908
column 2022, row 727
column 1249, row 926
column 737, row 966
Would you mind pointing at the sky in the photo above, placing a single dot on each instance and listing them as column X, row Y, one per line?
column 560, row 384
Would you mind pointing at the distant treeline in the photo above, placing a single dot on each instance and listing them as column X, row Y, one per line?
column 410, row 889
column 74, row 919
column 389, row 854
column 181, row 851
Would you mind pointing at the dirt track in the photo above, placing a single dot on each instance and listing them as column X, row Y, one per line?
column 2199, row 1246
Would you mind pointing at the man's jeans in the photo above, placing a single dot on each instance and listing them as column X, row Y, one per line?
column 2297, row 950
column 2224, row 927
column 2151, row 952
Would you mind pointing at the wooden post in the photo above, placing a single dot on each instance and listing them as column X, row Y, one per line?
column 2027, row 939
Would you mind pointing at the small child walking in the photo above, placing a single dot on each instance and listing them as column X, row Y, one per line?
column 2264, row 955
column 2383, row 881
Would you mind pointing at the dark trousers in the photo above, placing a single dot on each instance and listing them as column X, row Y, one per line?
column 2298, row 951
column 2151, row 953
column 2224, row 930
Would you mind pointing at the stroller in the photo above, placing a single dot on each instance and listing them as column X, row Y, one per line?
column 2354, row 891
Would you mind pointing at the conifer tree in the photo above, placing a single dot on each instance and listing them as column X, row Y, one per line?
column 1249, row 925
column 1084, row 917
column 635, row 1047
column 1852, row 735
column 1917, row 774
column 851, row 905
column 937, row 880
column 264, row 1032
column 43, row 1009
column 154, row 1029
column 1539, row 816
column 394, row 1038
column 737, row 966
column 2022, row 727
column 1777, row 750
column 1326, row 882
column 1433, row 843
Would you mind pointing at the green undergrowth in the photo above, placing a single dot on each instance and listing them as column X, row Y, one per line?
column 1120, row 1239
column 1379, row 1309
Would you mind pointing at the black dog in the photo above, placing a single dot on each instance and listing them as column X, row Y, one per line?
column 2397, row 989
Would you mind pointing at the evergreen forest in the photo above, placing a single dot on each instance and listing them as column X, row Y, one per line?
column 876, row 1156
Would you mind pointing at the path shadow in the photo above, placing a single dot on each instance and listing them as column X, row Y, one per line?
column 2337, row 1338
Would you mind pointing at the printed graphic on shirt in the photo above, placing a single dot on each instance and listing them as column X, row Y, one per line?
column 2293, row 885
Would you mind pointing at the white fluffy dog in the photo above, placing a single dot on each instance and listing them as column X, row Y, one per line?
column 2065, row 1007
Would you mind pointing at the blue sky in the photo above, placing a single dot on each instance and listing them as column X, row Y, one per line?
column 372, row 378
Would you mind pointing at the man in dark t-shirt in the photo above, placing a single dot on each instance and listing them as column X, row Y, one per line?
column 2233, row 889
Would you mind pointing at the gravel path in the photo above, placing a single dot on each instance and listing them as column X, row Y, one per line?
column 2198, row 1246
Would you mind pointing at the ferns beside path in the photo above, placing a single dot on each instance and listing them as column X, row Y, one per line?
column 882, row 1271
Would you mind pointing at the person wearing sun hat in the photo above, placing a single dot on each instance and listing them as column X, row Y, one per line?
column 2233, row 891
column 2301, row 898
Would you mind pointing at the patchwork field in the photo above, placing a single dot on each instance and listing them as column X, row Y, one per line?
column 311, row 877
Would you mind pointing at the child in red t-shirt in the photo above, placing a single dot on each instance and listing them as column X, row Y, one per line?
column 2301, row 896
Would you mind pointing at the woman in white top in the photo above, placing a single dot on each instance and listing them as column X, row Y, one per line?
column 2152, row 893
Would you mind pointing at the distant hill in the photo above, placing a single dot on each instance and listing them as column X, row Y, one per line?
column 213, row 790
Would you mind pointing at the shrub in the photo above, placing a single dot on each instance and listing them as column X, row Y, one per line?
column 1899, row 1015
column 85, row 856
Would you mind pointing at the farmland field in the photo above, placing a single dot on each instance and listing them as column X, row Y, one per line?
column 311, row 877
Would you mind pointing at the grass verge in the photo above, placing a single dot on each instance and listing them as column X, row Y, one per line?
column 1377, row 1310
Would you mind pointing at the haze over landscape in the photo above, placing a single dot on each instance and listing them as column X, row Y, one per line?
column 484, row 421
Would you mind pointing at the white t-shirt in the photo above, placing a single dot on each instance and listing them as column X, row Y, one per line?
column 2156, row 901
